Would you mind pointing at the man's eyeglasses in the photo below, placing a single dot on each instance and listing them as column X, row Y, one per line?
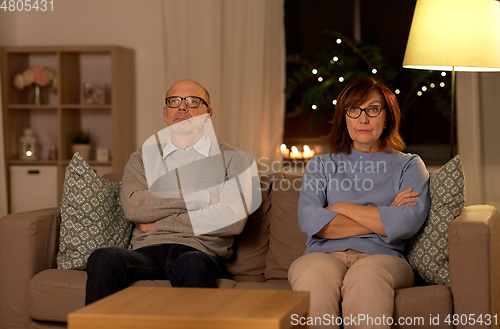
column 190, row 101
column 371, row 111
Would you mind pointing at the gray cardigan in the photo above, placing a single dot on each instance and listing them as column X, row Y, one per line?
column 174, row 220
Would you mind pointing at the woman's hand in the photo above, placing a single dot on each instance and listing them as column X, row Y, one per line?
column 405, row 198
column 366, row 216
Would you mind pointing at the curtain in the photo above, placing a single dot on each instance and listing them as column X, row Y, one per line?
column 236, row 50
column 478, row 135
column 3, row 178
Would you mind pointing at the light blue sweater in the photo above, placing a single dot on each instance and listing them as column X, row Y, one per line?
column 369, row 179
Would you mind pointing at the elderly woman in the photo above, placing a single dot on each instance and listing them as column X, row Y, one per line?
column 358, row 207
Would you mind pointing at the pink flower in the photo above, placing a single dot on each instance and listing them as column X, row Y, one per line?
column 40, row 78
column 35, row 75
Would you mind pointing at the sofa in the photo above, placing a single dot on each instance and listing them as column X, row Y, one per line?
column 35, row 294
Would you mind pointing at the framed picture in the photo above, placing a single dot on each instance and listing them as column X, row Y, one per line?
column 95, row 93
column 102, row 155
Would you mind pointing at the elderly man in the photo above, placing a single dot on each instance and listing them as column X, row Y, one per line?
column 188, row 196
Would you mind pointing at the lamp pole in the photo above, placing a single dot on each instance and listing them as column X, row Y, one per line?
column 357, row 21
column 452, row 130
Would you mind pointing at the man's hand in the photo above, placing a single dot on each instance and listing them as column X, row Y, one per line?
column 146, row 227
column 214, row 198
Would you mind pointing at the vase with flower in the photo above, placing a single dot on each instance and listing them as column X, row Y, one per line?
column 39, row 79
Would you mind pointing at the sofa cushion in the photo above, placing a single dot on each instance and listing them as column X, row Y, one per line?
column 91, row 216
column 287, row 242
column 279, row 284
column 55, row 293
column 428, row 249
column 423, row 304
column 221, row 283
column 250, row 247
column 249, row 278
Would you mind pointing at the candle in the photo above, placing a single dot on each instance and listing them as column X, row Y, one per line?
column 295, row 154
column 308, row 153
column 284, row 151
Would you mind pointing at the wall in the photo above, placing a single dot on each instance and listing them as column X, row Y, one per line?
column 7, row 36
column 130, row 23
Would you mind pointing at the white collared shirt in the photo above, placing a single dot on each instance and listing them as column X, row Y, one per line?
column 175, row 158
column 202, row 146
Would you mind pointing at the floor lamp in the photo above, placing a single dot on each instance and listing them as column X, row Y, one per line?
column 454, row 35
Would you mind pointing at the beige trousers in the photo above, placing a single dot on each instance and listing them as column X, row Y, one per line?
column 363, row 283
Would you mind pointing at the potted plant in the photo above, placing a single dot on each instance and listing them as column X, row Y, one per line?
column 80, row 142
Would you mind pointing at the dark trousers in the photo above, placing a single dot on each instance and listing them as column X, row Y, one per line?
column 112, row 269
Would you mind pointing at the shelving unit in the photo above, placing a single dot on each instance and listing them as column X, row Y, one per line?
column 112, row 125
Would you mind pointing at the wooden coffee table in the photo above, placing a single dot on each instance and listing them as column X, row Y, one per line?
column 152, row 307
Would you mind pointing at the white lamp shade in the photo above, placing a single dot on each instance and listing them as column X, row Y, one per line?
column 464, row 34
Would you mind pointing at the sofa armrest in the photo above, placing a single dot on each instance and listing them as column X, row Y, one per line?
column 29, row 242
column 474, row 240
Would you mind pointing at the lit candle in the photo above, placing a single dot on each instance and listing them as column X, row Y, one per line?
column 284, row 151
column 295, row 154
column 308, row 153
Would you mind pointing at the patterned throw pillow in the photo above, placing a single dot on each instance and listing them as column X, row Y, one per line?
column 428, row 250
column 91, row 216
